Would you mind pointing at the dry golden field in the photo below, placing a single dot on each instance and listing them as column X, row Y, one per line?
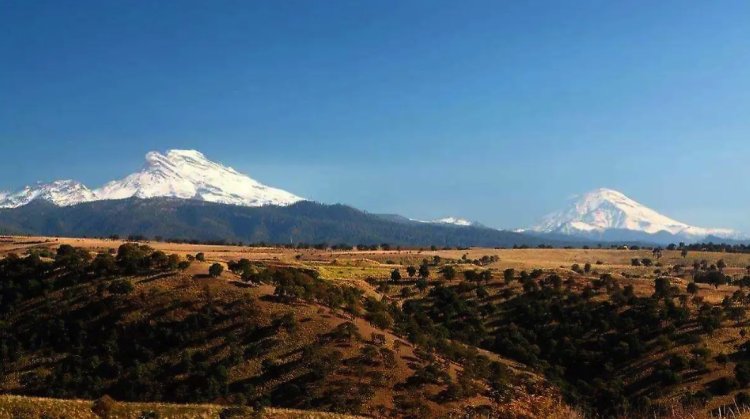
column 18, row 407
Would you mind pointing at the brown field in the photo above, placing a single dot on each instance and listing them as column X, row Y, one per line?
column 18, row 407
column 354, row 267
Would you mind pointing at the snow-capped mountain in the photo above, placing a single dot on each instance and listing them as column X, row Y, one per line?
column 59, row 192
column 454, row 221
column 604, row 210
column 185, row 174
column 188, row 174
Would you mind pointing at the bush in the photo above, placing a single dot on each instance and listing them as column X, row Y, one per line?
column 678, row 363
column 120, row 287
column 235, row 412
column 742, row 373
column 200, row 257
column 103, row 406
column 724, row 386
column 508, row 275
column 215, row 270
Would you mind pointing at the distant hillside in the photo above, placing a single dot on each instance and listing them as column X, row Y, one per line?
column 304, row 221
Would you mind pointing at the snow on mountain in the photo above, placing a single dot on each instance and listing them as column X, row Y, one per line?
column 188, row 174
column 606, row 209
column 461, row 222
column 59, row 192
column 454, row 221
column 185, row 174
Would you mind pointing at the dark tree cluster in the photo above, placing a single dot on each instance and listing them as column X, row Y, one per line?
column 23, row 277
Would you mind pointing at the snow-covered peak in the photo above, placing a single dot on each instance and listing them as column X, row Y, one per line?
column 454, row 221
column 188, row 174
column 461, row 222
column 605, row 209
column 59, row 192
column 185, row 174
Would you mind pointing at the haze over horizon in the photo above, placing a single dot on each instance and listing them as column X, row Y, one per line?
column 520, row 106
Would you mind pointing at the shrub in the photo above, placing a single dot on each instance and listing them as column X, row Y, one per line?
column 215, row 270
column 724, row 386
column 742, row 373
column 508, row 275
column 120, row 287
column 395, row 275
column 103, row 406
column 235, row 412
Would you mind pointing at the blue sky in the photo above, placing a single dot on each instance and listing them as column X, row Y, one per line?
column 494, row 111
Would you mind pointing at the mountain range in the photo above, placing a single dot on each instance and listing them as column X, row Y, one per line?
column 183, row 194
column 185, row 174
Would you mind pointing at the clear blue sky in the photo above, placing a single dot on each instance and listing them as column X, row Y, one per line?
column 495, row 111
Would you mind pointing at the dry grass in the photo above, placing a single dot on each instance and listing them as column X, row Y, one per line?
column 19, row 407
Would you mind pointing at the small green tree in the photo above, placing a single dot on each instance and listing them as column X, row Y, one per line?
column 120, row 287
column 424, row 271
column 395, row 275
column 200, row 257
column 215, row 270
column 508, row 275
column 449, row 272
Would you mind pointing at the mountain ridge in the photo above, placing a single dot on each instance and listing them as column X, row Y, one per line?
column 185, row 174
column 301, row 222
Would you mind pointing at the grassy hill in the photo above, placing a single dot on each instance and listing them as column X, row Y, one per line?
column 614, row 333
column 138, row 325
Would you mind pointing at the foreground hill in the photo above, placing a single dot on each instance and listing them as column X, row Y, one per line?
column 306, row 222
column 618, row 333
column 140, row 325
